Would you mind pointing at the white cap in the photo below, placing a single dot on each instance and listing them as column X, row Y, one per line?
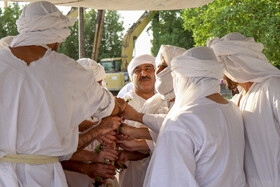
column 142, row 59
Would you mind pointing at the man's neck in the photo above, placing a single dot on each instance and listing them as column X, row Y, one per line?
column 145, row 95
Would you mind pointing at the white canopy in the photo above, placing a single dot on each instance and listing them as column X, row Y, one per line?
column 128, row 4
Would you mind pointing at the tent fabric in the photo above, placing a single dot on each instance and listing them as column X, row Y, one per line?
column 128, row 4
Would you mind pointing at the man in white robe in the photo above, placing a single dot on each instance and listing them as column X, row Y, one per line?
column 155, row 109
column 201, row 142
column 141, row 71
column 259, row 101
column 44, row 97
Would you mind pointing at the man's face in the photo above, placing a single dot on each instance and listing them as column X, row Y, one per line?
column 161, row 66
column 144, row 78
column 231, row 85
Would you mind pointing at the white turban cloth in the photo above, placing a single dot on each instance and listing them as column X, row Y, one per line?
column 137, row 61
column 243, row 58
column 5, row 42
column 164, row 80
column 196, row 74
column 98, row 70
column 41, row 23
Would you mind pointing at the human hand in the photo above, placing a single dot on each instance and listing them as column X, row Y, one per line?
column 126, row 131
column 109, row 124
column 133, row 145
column 108, row 138
column 121, row 103
column 107, row 153
column 99, row 170
column 131, row 114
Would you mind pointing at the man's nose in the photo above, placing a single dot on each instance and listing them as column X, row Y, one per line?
column 143, row 72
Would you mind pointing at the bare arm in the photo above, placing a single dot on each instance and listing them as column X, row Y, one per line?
column 135, row 132
column 85, row 125
column 91, row 170
column 107, row 125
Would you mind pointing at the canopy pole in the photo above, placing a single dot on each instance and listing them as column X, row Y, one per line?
column 98, row 34
column 81, row 33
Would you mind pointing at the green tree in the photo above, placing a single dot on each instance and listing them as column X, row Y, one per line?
column 253, row 18
column 167, row 27
column 8, row 17
column 111, row 41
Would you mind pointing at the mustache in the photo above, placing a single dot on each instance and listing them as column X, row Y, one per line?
column 144, row 77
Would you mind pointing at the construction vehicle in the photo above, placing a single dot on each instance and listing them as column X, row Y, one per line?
column 116, row 68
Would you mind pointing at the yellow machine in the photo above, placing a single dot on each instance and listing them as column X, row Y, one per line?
column 116, row 68
column 115, row 77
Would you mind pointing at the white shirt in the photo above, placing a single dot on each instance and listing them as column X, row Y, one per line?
column 260, row 108
column 41, row 106
column 200, row 145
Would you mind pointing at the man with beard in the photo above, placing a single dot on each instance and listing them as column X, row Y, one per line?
column 142, row 73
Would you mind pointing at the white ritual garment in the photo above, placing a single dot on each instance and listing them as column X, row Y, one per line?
column 200, row 145
column 155, row 110
column 135, row 173
column 260, row 108
column 41, row 106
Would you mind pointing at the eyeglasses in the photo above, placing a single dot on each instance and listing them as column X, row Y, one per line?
column 146, row 69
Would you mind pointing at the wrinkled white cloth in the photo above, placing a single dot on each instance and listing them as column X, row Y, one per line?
column 243, row 58
column 260, row 108
column 164, row 81
column 155, row 110
column 98, row 69
column 201, row 146
column 41, row 107
column 5, row 42
column 127, row 88
column 41, row 23
column 201, row 142
column 139, row 60
column 245, row 62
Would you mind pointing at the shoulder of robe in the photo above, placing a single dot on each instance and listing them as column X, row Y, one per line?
column 271, row 86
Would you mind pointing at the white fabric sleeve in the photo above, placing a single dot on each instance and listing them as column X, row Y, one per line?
column 150, row 144
column 153, row 135
column 90, row 99
column 173, row 162
column 154, row 121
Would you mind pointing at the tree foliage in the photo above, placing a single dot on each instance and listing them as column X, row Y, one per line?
column 8, row 17
column 253, row 18
column 167, row 27
column 111, row 41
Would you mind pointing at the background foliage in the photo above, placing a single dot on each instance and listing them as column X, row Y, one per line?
column 111, row 41
column 253, row 18
column 8, row 17
column 167, row 27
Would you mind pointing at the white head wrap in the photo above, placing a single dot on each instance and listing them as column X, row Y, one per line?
column 98, row 70
column 243, row 58
column 41, row 23
column 137, row 61
column 196, row 74
column 5, row 42
column 164, row 81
